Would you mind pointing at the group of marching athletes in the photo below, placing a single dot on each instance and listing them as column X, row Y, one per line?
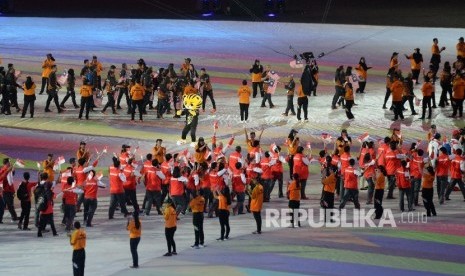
column 139, row 86
column 214, row 180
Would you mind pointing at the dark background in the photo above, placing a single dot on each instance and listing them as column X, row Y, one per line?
column 424, row 13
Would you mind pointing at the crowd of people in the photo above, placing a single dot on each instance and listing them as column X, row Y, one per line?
column 214, row 180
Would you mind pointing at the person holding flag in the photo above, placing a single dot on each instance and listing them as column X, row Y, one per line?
column 24, row 195
column 93, row 182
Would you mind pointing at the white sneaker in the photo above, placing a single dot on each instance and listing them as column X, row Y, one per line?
column 181, row 142
column 193, row 144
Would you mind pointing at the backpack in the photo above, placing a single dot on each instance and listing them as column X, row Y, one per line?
column 41, row 202
column 21, row 193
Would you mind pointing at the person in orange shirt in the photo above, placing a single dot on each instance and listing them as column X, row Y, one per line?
column 368, row 165
column 350, row 186
column 86, row 98
column 427, row 91
column 435, row 56
column 256, row 204
column 416, row 59
column 78, row 242
column 134, row 227
column 292, row 142
column 379, row 191
column 442, row 173
column 293, row 192
column 397, row 90
column 362, row 72
column 389, row 80
column 427, row 191
column 29, row 88
column 83, row 152
column 159, row 151
column 197, row 206
column 224, row 202
column 302, row 104
column 244, row 100
column 137, row 98
column 349, row 98
column 256, row 70
column 46, row 69
column 170, row 227
column 48, row 167
column 329, row 185
column 445, row 80
column 403, row 182
column 461, row 49
column 458, row 95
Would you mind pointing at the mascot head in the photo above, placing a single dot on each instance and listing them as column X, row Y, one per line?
column 192, row 102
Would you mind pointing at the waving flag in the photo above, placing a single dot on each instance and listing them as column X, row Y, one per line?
column 309, row 146
column 326, row 137
column 215, row 125
column 364, row 137
column 20, row 163
column 39, row 166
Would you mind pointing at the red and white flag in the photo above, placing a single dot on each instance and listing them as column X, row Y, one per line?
column 20, row 163
column 363, row 137
column 60, row 160
column 309, row 146
column 215, row 125
column 326, row 137
column 273, row 147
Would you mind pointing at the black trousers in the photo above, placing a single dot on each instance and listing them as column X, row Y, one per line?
column 427, row 195
column 192, row 127
column 416, row 74
column 5, row 101
column 86, row 103
column 131, row 197
column 90, row 205
column 25, row 212
column 361, row 87
column 133, row 243
column 164, row 191
column 386, row 96
column 52, row 95
column 446, row 89
column 349, row 104
column 290, row 105
column 69, row 214
column 426, row 103
column 137, row 104
column 244, row 109
column 28, row 103
column 9, row 197
column 409, row 99
column 379, row 193
column 123, row 92
column 169, row 234
column 223, row 216
column 291, row 166
column 197, row 220
column 2, row 208
column 267, row 97
column 350, row 194
column 209, row 94
column 398, row 110
column 44, row 84
column 152, row 197
column 117, row 199
column 338, row 94
column 256, row 85
column 258, row 220
column 43, row 221
column 162, row 106
column 69, row 93
column 328, row 200
column 110, row 103
column 302, row 104
column 457, row 107
column 79, row 261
